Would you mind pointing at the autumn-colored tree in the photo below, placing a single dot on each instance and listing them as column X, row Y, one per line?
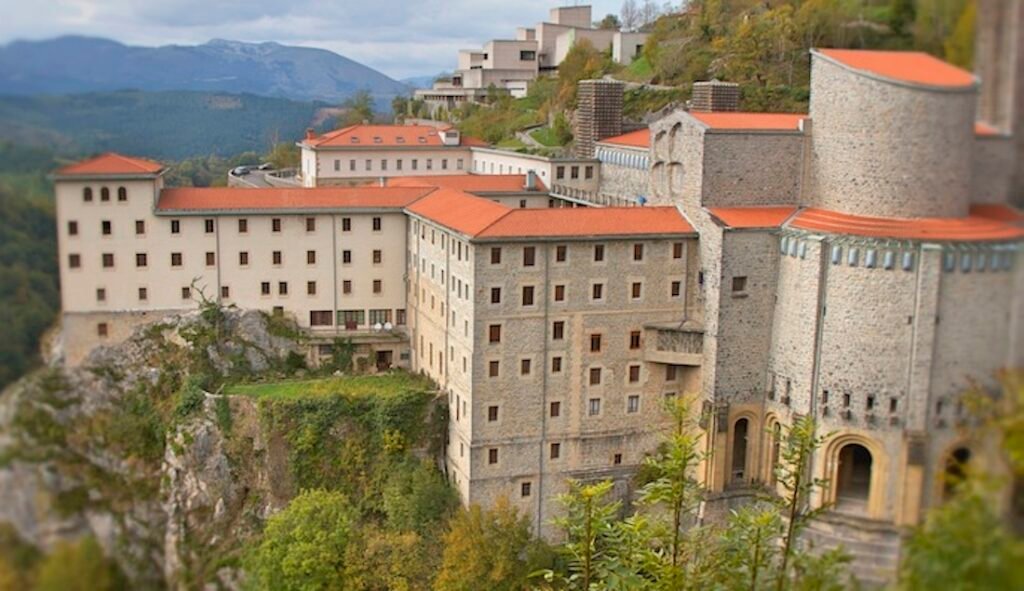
column 357, row 109
column 959, row 47
column 78, row 566
column 488, row 549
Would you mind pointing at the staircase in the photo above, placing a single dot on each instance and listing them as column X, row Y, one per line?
column 874, row 548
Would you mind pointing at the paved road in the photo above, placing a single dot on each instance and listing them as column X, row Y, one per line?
column 256, row 179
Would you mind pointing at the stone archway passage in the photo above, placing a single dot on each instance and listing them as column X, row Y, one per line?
column 853, row 478
column 739, row 450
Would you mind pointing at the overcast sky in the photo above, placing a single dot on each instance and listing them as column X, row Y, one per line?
column 398, row 37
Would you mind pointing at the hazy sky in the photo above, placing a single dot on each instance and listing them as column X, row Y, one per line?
column 398, row 37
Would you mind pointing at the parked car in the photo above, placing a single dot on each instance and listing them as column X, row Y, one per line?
column 266, row 166
column 240, row 170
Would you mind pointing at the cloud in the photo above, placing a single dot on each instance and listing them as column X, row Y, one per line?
column 399, row 37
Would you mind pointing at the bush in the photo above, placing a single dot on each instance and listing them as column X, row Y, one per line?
column 78, row 566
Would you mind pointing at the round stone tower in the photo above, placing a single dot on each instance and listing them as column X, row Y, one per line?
column 893, row 133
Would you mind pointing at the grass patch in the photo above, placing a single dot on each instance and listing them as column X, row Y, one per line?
column 546, row 135
column 353, row 386
column 512, row 143
column 638, row 71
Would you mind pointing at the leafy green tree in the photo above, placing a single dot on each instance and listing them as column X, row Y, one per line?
column 588, row 522
column 385, row 560
column 358, row 108
column 609, row 23
column 303, row 548
column 489, row 549
column 416, row 496
column 284, row 155
column 959, row 46
column 902, row 14
column 78, row 566
column 400, row 106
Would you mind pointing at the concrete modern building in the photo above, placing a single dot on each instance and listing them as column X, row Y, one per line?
column 359, row 154
column 858, row 263
column 509, row 65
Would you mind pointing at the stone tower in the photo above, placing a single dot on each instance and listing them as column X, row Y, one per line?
column 598, row 113
column 999, row 62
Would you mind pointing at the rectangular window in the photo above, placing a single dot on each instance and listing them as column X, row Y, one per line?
column 143, row 294
column 597, row 291
column 555, row 409
column 276, row 257
column 211, row 259
column 633, row 404
column 415, row 164
column 243, row 258
column 320, row 318
column 495, row 295
column 74, row 261
column 430, row 163
column 492, row 455
column 346, row 286
column 739, row 284
column 677, row 250
column 73, row 228
column 638, row 252
column 376, row 224
column 310, row 257
column 101, row 295
column 398, row 164
column 378, row 256
column 677, row 288
column 337, row 165
column 594, row 407
column 275, row 225
column 558, row 330
column 186, row 293
column 670, row 373
column 560, row 172
column 444, row 164
column 352, row 165
column 588, row 172
column 175, row 259
column 311, row 288
column 559, row 293
column 101, row 329
column 634, row 290
column 634, row 339
column 496, row 255
column 634, row 374
column 346, row 224
column 556, row 365
column 574, row 172
column 243, row 226
column 561, row 252
column 377, row 286
column 598, row 253
column 140, row 259
column 108, row 260
column 106, row 228
column 140, row 227
column 492, row 413
column 369, row 164
column 282, row 288
column 617, row 459
column 346, row 257
column 175, row 227
column 383, row 164
column 595, row 376
column 527, row 295
column 595, row 343
column 492, row 369
column 529, row 256
column 400, row 317
column 265, row 288
column 556, row 451
column 494, row 333
column 208, row 226
column 524, row 489
column 225, row 292
column 524, row 367
column 311, row 224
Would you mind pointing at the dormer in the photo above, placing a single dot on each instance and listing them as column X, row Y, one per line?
column 449, row 137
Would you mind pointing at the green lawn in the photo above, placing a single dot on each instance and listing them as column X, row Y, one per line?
column 546, row 136
column 354, row 386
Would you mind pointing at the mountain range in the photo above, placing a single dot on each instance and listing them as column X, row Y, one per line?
column 75, row 64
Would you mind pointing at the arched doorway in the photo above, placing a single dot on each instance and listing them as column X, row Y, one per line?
column 774, row 452
column 853, row 478
column 956, row 470
column 739, row 450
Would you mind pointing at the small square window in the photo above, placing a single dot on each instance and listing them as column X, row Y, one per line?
column 595, row 376
column 492, row 455
column 496, row 255
column 311, row 288
column 556, row 451
column 282, row 288
column 265, row 288
column 524, row 367
column 346, row 286
column 108, row 260
column 555, row 409
column 243, row 258
column 101, row 295
column 73, row 228
column 74, row 261
column 561, row 253
column 101, row 329
column 225, row 292
column 492, row 413
column 211, row 259
column 739, row 284
column 558, row 330
column 143, row 294
column 175, row 259
column 525, row 488
column 677, row 288
column 492, row 368
column 186, row 293
column 140, row 259
column 243, row 226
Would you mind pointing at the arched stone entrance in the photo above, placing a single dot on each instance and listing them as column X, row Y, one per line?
column 738, row 469
column 853, row 478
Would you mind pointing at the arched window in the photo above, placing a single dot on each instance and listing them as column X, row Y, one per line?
column 104, row 194
column 87, row 194
column 739, row 450
column 122, row 194
column 853, row 478
column 774, row 452
column 956, row 470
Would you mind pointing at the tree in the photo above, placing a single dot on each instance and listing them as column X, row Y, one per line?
column 588, row 523
column 648, row 13
column 629, row 15
column 358, row 108
column 610, row 22
column 959, row 47
column 488, row 549
column 416, row 496
column 400, row 107
column 901, row 16
column 304, row 546
column 78, row 566
column 284, row 155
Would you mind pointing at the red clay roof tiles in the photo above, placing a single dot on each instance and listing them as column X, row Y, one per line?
column 904, row 66
column 752, row 217
column 750, row 121
column 457, row 210
column 640, row 138
column 327, row 198
column 473, row 183
column 974, row 228
column 111, row 164
column 595, row 221
column 386, row 136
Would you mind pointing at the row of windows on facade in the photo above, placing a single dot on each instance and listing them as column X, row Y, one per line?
column 529, row 258
column 348, row 319
column 457, row 246
column 634, row 290
column 414, row 164
column 178, row 259
column 554, row 453
column 597, row 340
column 625, row 158
column 88, row 196
column 595, row 375
column 107, row 228
column 265, row 290
column 994, row 259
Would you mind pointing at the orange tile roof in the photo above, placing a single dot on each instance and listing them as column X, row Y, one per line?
column 640, row 138
column 111, row 164
column 581, row 222
column 386, row 136
column 473, row 183
column 997, row 211
column 974, row 228
column 752, row 217
column 327, row 198
column 750, row 121
column 904, row 66
column 459, row 211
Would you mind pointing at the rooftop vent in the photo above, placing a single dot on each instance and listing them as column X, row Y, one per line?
column 530, row 183
column 354, row 140
column 400, row 139
column 376, row 139
column 310, row 134
column 449, row 137
column 422, row 140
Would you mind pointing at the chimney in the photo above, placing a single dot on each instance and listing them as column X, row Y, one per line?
column 714, row 96
column 598, row 113
column 310, row 134
column 531, row 180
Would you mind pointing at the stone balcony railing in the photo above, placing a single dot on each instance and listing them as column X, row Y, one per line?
column 674, row 344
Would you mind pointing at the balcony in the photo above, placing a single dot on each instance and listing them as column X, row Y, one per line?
column 674, row 343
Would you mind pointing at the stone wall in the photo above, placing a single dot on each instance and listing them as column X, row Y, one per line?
column 752, row 168
column 992, row 168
